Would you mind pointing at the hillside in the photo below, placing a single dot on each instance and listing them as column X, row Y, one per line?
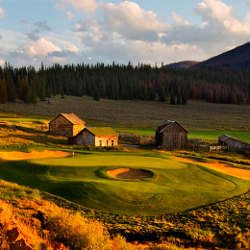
column 181, row 65
column 237, row 58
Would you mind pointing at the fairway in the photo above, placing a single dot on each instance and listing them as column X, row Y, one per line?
column 174, row 185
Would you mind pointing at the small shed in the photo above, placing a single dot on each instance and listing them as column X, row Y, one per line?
column 98, row 137
column 233, row 144
column 171, row 135
column 66, row 124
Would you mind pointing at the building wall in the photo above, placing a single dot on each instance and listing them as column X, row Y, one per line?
column 85, row 138
column 106, row 141
column 61, row 126
column 173, row 138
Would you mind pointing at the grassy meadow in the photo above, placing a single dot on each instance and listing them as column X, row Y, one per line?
column 141, row 114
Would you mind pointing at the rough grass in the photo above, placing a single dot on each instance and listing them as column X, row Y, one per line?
column 175, row 187
column 211, row 135
column 141, row 114
column 39, row 224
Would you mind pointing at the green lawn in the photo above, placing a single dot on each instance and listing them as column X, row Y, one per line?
column 175, row 186
column 194, row 134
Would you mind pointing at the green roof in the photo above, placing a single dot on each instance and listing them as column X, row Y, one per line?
column 102, row 131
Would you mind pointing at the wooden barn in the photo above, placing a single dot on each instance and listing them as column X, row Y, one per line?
column 98, row 137
column 233, row 144
column 171, row 135
column 66, row 124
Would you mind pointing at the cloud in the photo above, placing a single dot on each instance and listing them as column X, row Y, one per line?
column 39, row 27
column 69, row 15
column 179, row 20
column 42, row 26
column 143, row 51
column 125, row 20
column 72, row 48
column 2, row 62
column 83, row 5
column 41, row 47
column 2, row 13
column 130, row 20
column 124, row 31
column 219, row 14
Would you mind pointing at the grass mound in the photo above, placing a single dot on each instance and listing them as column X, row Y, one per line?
column 130, row 173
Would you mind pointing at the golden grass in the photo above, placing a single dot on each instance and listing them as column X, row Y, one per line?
column 141, row 114
column 18, row 156
column 220, row 167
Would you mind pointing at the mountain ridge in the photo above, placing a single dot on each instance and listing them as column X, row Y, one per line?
column 234, row 59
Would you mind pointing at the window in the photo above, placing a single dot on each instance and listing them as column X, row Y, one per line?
column 107, row 142
column 100, row 143
column 112, row 143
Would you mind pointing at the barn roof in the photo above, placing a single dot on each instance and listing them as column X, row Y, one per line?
column 169, row 123
column 101, row 131
column 229, row 140
column 71, row 117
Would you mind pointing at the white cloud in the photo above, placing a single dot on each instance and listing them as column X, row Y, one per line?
column 41, row 47
column 179, row 20
column 2, row 62
column 72, row 48
column 126, row 20
column 85, row 5
column 69, row 15
column 219, row 13
column 130, row 20
column 2, row 13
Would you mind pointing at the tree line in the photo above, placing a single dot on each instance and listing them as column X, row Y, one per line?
column 127, row 82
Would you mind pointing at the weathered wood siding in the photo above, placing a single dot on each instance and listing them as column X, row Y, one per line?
column 233, row 144
column 106, row 141
column 61, row 126
column 173, row 137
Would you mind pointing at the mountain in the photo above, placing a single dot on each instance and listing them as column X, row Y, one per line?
column 237, row 58
column 181, row 65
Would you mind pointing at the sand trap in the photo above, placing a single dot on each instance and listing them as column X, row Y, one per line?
column 18, row 156
column 130, row 173
column 221, row 167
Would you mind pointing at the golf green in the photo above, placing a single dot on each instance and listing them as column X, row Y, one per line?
column 172, row 186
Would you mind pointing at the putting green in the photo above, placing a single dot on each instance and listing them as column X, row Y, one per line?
column 175, row 185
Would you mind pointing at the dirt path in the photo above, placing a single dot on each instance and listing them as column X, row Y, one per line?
column 18, row 156
column 221, row 167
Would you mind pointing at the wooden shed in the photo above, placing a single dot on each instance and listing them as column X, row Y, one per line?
column 233, row 144
column 171, row 135
column 98, row 137
column 66, row 124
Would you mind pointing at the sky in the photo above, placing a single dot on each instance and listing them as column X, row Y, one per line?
column 145, row 31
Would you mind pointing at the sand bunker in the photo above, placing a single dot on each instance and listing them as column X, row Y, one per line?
column 18, row 156
column 130, row 173
column 221, row 167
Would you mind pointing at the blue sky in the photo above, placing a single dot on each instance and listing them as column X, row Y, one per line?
column 73, row 31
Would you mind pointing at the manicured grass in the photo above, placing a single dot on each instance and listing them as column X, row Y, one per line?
column 175, row 187
column 213, row 135
column 194, row 134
